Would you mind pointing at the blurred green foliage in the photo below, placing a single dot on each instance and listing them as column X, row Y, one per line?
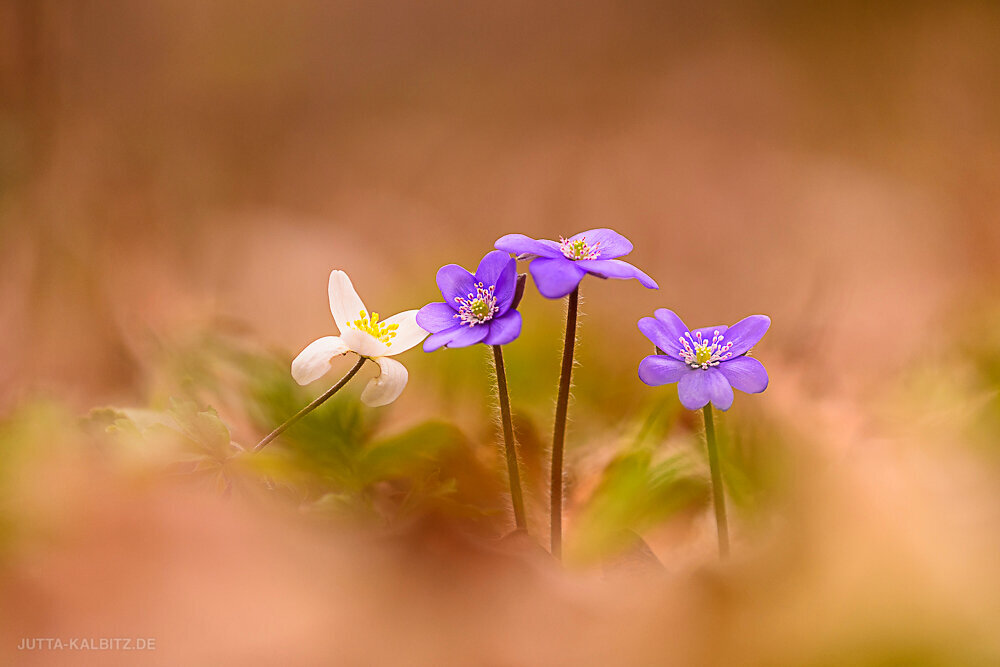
column 980, row 345
column 338, row 462
column 348, row 462
column 951, row 398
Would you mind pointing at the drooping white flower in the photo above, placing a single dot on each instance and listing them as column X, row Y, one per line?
column 365, row 334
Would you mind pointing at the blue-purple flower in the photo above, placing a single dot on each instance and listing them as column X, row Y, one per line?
column 477, row 308
column 558, row 268
column 706, row 363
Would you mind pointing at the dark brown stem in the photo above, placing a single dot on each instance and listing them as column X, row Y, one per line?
column 517, row 498
column 312, row 406
column 559, row 430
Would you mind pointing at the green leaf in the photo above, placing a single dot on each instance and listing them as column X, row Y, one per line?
column 410, row 454
column 634, row 494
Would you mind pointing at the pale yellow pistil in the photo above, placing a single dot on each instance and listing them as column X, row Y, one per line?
column 703, row 354
column 578, row 249
column 480, row 310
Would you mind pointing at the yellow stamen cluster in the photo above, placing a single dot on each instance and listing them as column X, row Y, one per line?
column 379, row 330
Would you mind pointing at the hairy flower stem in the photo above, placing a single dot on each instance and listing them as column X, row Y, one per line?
column 559, row 431
column 312, row 406
column 517, row 498
column 718, row 494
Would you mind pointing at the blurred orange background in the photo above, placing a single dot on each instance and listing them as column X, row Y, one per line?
column 174, row 166
column 167, row 162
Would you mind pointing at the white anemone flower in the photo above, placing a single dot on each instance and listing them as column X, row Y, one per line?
column 364, row 334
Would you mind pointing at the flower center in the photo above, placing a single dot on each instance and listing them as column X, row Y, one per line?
column 701, row 353
column 381, row 331
column 579, row 249
column 478, row 307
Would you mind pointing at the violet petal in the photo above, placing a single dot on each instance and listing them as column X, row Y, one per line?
column 616, row 268
column 467, row 335
column 504, row 329
column 745, row 373
column 555, row 278
column 657, row 369
column 746, row 333
column 454, row 281
column 506, row 286
column 611, row 243
column 440, row 339
column 519, row 244
column 491, row 266
column 696, row 389
column 673, row 324
column 436, row 317
column 661, row 335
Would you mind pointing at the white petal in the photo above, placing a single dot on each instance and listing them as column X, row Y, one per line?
column 389, row 384
column 365, row 344
column 345, row 304
column 314, row 361
column 408, row 334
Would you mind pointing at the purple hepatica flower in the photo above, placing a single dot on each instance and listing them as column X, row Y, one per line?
column 477, row 308
column 559, row 267
column 706, row 363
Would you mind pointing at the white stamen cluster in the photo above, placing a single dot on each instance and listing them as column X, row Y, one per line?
column 477, row 308
column 699, row 353
column 579, row 249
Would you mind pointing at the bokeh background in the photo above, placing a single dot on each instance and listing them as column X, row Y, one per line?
column 177, row 179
